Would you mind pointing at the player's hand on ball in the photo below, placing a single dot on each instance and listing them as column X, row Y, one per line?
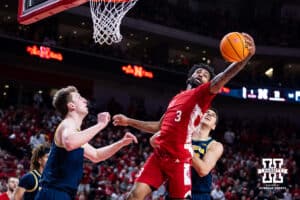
column 237, row 47
column 120, row 120
column 103, row 118
column 250, row 44
column 129, row 138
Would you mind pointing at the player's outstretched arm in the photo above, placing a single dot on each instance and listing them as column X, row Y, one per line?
column 103, row 153
column 72, row 139
column 206, row 164
column 146, row 126
column 222, row 78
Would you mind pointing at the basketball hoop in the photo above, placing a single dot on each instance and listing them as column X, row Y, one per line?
column 107, row 16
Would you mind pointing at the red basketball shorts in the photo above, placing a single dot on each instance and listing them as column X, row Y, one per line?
column 158, row 170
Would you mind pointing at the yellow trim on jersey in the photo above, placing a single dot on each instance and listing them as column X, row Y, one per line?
column 36, row 184
column 206, row 139
column 38, row 173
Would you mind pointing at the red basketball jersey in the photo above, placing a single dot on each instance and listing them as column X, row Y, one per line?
column 181, row 119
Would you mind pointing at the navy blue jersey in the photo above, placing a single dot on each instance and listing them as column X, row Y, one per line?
column 201, row 185
column 30, row 182
column 63, row 170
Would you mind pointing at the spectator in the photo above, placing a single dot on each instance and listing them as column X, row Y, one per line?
column 287, row 195
column 37, row 99
column 217, row 193
column 11, row 187
column 229, row 136
column 296, row 192
column 37, row 139
column 159, row 193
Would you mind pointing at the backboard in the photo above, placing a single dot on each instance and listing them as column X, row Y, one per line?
column 31, row 11
column 107, row 15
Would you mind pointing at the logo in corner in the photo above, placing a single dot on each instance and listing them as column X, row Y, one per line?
column 272, row 172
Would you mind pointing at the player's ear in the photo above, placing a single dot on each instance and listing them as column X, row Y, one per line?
column 40, row 161
column 213, row 127
column 71, row 105
column 188, row 81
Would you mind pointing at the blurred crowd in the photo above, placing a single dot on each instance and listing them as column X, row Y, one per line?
column 218, row 19
column 235, row 176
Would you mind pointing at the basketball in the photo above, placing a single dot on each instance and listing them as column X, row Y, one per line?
column 233, row 47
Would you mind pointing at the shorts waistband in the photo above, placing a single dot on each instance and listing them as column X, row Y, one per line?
column 166, row 156
column 202, row 193
column 71, row 194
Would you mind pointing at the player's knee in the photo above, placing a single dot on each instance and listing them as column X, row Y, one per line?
column 136, row 195
column 132, row 196
column 139, row 192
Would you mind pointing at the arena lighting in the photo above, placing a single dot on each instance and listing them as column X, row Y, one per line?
column 297, row 96
column 264, row 94
column 269, row 72
column 44, row 52
column 225, row 90
column 137, row 71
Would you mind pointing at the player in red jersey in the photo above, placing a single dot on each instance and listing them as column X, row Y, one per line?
column 172, row 156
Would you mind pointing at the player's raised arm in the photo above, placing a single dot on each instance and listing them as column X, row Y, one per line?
column 222, row 78
column 146, row 126
column 103, row 153
column 207, row 163
column 72, row 139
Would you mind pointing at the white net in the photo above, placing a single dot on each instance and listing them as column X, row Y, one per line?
column 107, row 16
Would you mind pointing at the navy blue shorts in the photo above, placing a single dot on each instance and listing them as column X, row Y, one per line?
column 52, row 194
column 198, row 196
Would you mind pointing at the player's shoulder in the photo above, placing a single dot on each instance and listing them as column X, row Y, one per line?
column 26, row 179
column 216, row 143
column 216, row 146
column 203, row 88
column 66, row 123
column 28, row 175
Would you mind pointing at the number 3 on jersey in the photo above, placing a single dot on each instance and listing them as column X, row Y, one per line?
column 178, row 116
